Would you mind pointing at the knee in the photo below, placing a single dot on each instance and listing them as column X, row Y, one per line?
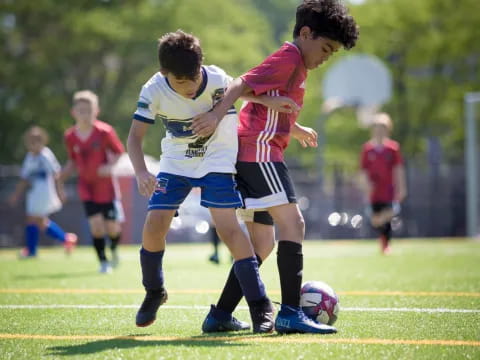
column 97, row 231
column 294, row 228
column 156, row 225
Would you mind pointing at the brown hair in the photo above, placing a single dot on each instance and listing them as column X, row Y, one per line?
column 180, row 53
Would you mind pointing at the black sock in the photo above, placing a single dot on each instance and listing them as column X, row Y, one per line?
column 215, row 241
column 99, row 245
column 290, row 268
column 114, row 240
column 232, row 292
column 387, row 232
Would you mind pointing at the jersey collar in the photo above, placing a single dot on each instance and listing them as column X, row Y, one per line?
column 200, row 90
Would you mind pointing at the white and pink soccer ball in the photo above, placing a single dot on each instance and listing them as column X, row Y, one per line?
column 319, row 302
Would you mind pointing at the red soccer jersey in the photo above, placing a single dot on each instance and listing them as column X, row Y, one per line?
column 263, row 133
column 379, row 162
column 88, row 155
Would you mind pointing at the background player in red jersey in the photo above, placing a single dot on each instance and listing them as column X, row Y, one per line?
column 322, row 27
column 93, row 149
column 383, row 177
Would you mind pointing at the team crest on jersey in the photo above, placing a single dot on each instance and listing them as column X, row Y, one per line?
column 161, row 186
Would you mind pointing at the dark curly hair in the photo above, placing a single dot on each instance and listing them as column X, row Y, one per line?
column 327, row 18
column 180, row 53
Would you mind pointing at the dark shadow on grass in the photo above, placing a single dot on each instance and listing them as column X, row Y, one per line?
column 97, row 346
column 62, row 275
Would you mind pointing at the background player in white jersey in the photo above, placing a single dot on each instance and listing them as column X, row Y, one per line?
column 40, row 180
column 322, row 27
column 181, row 90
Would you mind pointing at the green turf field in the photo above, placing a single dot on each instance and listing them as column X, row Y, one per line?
column 421, row 302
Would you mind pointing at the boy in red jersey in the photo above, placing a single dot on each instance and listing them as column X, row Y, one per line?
column 93, row 149
column 322, row 27
column 383, row 177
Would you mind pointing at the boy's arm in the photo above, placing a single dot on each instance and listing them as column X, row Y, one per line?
column 278, row 103
column 20, row 188
column 60, row 188
column 115, row 150
column 67, row 170
column 205, row 124
column 400, row 183
column 145, row 180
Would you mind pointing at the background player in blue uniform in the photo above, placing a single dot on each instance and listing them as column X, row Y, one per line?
column 40, row 181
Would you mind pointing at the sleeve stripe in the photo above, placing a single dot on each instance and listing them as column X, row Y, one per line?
column 143, row 119
column 142, row 105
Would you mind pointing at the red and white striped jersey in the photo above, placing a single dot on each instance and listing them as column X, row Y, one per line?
column 263, row 133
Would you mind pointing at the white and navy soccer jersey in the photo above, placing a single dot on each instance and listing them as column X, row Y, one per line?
column 184, row 153
column 40, row 170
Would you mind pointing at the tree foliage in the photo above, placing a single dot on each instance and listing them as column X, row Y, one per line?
column 53, row 48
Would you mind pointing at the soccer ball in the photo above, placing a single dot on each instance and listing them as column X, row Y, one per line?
column 319, row 302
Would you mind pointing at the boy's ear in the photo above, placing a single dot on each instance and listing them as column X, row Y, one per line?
column 163, row 72
column 305, row 32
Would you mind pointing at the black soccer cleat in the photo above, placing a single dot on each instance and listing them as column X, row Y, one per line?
column 261, row 312
column 147, row 313
column 220, row 321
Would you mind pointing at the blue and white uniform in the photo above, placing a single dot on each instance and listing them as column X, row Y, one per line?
column 188, row 160
column 40, row 170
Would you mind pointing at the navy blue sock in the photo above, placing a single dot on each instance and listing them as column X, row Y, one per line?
column 32, row 234
column 152, row 270
column 232, row 292
column 55, row 231
column 246, row 271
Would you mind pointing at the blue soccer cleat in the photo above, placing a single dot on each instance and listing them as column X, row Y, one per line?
column 147, row 313
column 220, row 321
column 291, row 320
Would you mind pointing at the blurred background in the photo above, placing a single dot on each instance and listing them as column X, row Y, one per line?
column 430, row 48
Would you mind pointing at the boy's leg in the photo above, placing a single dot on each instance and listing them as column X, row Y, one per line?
column 114, row 233
column 155, row 231
column 245, row 268
column 215, row 241
column 98, row 230
column 291, row 227
column 162, row 207
column 32, row 235
column 220, row 317
column 381, row 217
column 53, row 230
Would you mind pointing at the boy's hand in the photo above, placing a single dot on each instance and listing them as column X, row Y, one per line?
column 146, row 183
column 281, row 104
column 306, row 136
column 205, row 124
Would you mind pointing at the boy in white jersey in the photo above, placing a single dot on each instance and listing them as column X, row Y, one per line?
column 40, row 180
column 322, row 27
column 181, row 90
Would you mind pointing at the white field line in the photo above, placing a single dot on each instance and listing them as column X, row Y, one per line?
column 198, row 307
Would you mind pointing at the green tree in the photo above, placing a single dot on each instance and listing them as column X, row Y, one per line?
column 53, row 48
